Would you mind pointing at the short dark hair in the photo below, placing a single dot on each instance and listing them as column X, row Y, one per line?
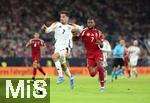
column 91, row 18
column 64, row 12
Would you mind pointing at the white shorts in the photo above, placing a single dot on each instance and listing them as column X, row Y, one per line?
column 133, row 62
column 63, row 54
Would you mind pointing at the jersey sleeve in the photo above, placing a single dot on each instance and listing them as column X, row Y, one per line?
column 106, row 46
column 42, row 43
column 77, row 27
column 52, row 27
column 81, row 34
column 100, row 36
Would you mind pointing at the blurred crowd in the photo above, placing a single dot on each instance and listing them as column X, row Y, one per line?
column 117, row 19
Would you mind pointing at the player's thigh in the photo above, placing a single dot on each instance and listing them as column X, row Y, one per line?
column 36, row 60
column 91, row 64
column 98, row 56
column 55, row 56
column 62, row 59
column 133, row 62
column 116, row 62
column 121, row 62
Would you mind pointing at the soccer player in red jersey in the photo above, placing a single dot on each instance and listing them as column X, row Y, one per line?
column 93, row 38
column 36, row 43
column 126, row 61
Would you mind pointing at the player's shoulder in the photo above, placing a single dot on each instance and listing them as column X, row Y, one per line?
column 32, row 39
column 106, row 41
column 85, row 29
column 57, row 23
column 40, row 40
column 131, row 47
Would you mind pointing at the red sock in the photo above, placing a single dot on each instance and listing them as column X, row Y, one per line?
column 101, row 75
column 41, row 70
column 34, row 73
column 129, row 73
column 94, row 73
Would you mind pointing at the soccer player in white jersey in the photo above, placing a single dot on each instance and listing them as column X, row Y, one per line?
column 63, row 44
column 134, row 53
column 106, row 53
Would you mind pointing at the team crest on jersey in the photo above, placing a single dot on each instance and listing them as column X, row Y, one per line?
column 88, row 34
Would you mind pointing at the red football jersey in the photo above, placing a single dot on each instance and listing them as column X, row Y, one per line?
column 35, row 46
column 90, row 37
column 126, row 57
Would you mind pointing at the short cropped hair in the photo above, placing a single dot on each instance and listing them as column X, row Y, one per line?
column 91, row 18
column 64, row 12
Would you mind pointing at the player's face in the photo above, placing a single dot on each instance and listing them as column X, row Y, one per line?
column 135, row 42
column 36, row 35
column 122, row 42
column 90, row 24
column 64, row 18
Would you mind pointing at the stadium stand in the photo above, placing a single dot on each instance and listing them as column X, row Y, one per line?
column 120, row 19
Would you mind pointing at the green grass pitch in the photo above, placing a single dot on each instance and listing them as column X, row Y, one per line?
column 122, row 90
column 87, row 91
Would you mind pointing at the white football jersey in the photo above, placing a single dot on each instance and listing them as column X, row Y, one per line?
column 63, row 35
column 134, row 52
column 106, row 51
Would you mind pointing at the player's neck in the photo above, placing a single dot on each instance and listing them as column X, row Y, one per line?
column 91, row 28
column 36, row 38
column 65, row 23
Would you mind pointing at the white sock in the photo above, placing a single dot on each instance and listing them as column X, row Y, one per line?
column 105, row 74
column 68, row 72
column 59, row 68
column 134, row 71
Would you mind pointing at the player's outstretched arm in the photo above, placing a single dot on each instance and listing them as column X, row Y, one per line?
column 50, row 28
column 28, row 43
column 43, row 45
column 76, row 27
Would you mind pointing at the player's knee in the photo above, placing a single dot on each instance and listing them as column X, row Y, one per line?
column 35, row 65
column 64, row 67
column 99, row 63
column 92, row 75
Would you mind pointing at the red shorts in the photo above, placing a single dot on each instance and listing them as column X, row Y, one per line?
column 36, row 58
column 93, row 58
column 126, row 62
